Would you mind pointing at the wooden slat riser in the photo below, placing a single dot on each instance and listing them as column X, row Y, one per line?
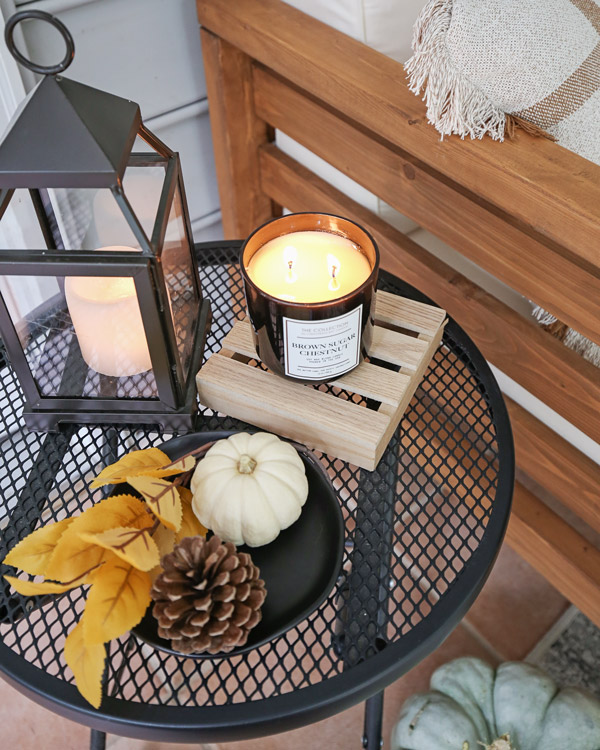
column 370, row 381
column 569, row 290
column 312, row 417
column 328, row 421
column 526, row 353
column 541, row 183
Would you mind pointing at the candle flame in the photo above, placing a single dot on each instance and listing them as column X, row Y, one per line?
column 290, row 256
column 333, row 267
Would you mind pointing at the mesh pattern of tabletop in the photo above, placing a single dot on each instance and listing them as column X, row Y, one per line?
column 440, row 495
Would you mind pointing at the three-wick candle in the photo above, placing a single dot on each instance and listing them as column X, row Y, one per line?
column 309, row 281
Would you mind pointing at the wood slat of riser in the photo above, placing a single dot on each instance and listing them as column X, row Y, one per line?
column 397, row 348
column 321, row 421
column 571, row 291
column 533, row 179
column 415, row 316
column 529, row 355
column 370, row 381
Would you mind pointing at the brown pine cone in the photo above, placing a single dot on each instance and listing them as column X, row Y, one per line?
column 208, row 596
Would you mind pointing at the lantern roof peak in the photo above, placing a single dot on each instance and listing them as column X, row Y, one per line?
column 67, row 134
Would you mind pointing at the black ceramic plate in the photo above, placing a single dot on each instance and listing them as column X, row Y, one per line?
column 299, row 568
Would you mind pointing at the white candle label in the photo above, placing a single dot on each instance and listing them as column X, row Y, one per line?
column 321, row 349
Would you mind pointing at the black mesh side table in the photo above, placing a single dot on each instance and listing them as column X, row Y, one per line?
column 422, row 533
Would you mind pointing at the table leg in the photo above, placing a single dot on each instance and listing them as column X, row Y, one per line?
column 363, row 604
column 97, row 740
column 372, row 739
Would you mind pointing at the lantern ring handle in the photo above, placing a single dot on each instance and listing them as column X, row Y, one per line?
column 58, row 24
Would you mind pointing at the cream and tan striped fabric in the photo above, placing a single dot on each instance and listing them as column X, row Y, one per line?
column 478, row 60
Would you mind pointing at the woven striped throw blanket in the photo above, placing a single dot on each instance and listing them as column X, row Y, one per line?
column 488, row 66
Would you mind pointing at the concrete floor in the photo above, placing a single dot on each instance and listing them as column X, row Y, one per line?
column 512, row 615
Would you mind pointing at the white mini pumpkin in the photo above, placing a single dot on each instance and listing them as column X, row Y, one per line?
column 471, row 705
column 248, row 488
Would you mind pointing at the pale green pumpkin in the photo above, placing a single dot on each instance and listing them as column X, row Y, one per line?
column 516, row 707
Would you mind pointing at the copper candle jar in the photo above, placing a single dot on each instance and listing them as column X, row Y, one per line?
column 311, row 341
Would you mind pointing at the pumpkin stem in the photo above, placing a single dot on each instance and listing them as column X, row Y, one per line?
column 246, row 464
column 502, row 743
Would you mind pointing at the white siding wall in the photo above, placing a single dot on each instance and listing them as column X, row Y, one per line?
column 145, row 50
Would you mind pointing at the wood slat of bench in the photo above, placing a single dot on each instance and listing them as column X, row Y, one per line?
column 304, row 414
column 229, row 87
column 556, row 550
column 370, row 381
column 569, row 290
column 556, row 465
column 415, row 316
column 526, row 353
column 542, row 184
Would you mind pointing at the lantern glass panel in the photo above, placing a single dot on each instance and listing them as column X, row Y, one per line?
column 86, row 219
column 180, row 282
column 82, row 336
column 19, row 225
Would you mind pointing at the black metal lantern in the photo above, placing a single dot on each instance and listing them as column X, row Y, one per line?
column 101, row 308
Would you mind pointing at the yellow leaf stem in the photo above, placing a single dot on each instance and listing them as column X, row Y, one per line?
column 135, row 546
column 118, row 598
column 74, row 556
column 162, row 497
column 33, row 553
column 150, row 462
column 87, row 664
column 179, row 465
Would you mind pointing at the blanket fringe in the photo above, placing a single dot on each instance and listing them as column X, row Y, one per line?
column 455, row 106
column 573, row 339
column 514, row 122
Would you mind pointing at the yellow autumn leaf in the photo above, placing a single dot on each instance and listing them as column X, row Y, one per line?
column 165, row 541
column 162, row 497
column 33, row 588
column 74, row 556
column 33, row 553
column 135, row 546
column 87, row 664
column 190, row 525
column 150, row 462
column 117, row 600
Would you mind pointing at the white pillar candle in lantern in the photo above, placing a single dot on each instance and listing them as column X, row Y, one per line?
column 108, row 323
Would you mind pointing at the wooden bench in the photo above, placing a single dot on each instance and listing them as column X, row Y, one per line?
column 526, row 210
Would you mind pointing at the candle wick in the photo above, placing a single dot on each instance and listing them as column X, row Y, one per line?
column 291, row 277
